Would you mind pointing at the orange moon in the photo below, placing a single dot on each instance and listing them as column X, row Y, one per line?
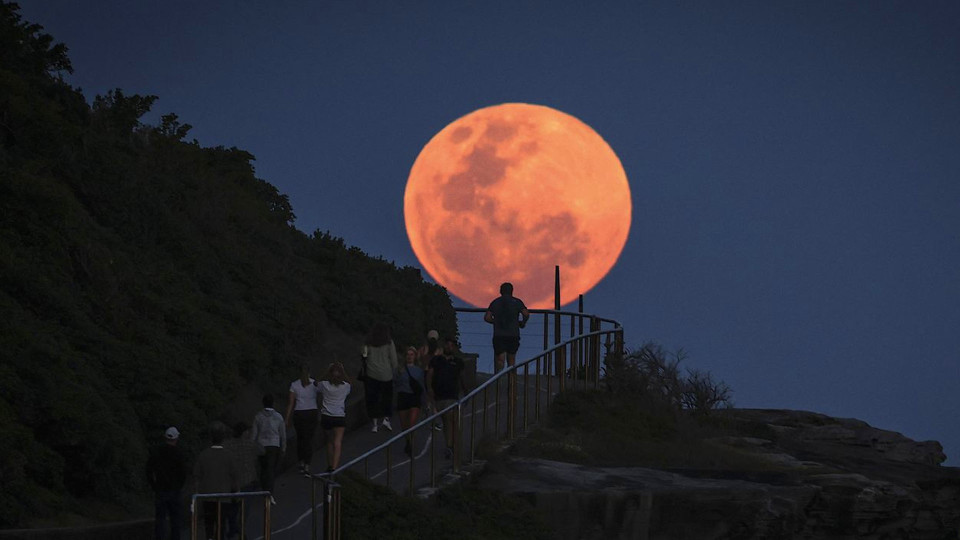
column 507, row 192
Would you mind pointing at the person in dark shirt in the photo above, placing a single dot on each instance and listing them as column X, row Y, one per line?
column 166, row 473
column 215, row 472
column 444, row 383
column 508, row 315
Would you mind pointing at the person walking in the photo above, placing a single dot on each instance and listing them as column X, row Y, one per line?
column 245, row 453
column 334, row 388
column 166, row 473
column 302, row 409
column 269, row 431
column 430, row 348
column 508, row 315
column 409, row 383
column 215, row 472
column 381, row 358
column 444, row 383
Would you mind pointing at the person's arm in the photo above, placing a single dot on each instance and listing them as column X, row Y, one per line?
column 488, row 316
column 525, row 313
column 430, row 382
column 292, row 399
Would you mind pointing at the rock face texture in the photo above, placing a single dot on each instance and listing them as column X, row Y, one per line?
column 819, row 477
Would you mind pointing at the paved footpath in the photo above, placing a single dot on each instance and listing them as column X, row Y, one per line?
column 291, row 518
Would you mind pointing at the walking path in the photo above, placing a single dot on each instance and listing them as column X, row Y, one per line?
column 291, row 517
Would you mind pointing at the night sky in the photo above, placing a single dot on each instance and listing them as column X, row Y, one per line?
column 794, row 166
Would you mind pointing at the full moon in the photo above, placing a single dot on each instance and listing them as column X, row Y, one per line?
column 506, row 193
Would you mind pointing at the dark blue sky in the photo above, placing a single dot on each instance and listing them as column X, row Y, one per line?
column 794, row 166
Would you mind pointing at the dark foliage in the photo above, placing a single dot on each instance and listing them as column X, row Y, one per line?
column 144, row 279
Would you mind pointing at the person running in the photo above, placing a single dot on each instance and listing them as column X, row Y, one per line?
column 269, row 430
column 409, row 383
column 166, row 473
column 444, row 383
column 215, row 472
column 381, row 358
column 508, row 315
column 302, row 410
column 334, row 388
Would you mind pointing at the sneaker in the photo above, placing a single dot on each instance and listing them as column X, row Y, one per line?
column 375, row 428
column 306, row 469
column 438, row 427
column 386, row 424
column 273, row 501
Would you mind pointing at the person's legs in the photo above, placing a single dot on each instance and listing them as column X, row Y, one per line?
column 386, row 399
column 210, row 519
column 175, row 511
column 160, row 507
column 268, row 467
column 337, row 446
column 371, row 396
column 305, row 422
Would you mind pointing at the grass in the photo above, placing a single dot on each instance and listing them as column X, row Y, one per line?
column 620, row 429
column 460, row 511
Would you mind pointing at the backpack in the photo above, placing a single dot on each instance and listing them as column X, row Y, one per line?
column 414, row 384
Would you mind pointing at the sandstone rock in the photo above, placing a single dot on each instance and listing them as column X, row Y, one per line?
column 835, row 478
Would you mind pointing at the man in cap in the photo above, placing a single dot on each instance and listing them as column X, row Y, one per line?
column 166, row 473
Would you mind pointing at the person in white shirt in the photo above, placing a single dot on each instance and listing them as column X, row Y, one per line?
column 302, row 410
column 269, row 430
column 335, row 386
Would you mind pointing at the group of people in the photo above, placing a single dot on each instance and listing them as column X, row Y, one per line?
column 429, row 377
column 248, row 460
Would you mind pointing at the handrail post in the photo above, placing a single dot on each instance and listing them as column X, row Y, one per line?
column 331, row 510
column 457, row 437
column 511, row 402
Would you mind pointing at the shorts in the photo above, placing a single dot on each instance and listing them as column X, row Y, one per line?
column 407, row 401
column 505, row 344
column 330, row 422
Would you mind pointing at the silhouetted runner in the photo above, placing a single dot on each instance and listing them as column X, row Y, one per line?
column 508, row 315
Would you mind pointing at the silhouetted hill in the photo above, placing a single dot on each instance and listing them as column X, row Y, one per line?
column 144, row 279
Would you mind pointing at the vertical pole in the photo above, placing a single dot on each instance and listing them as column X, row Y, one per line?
column 413, row 452
column 556, row 327
column 473, row 426
column 536, row 392
column 193, row 518
column 526, row 394
column 457, row 438
column 313, row 508
column 433, row 459
column 546, row 332
column 389, row 465
column 496, row 412
column 581, row 350
column 267, row 528
column 485, row 407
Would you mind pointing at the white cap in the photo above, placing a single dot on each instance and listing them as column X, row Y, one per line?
column 172, row 433
column 433, row 334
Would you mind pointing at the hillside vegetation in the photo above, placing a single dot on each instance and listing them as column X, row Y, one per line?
column 144, row 279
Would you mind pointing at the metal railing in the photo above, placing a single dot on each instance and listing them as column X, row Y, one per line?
column 571, row 362
column 230, row 499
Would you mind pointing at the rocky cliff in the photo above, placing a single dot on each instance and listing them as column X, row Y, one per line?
column 817, row 477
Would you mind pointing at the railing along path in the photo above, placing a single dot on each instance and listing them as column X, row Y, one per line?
column 573, row 361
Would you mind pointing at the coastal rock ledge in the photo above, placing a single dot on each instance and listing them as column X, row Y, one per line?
column 817, row 477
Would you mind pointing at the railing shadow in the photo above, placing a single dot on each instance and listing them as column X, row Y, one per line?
column 573, row 362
